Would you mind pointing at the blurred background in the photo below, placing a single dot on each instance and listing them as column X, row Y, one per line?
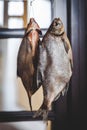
column 70, row 110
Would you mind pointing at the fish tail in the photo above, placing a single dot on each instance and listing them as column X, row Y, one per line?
column 43, row 113
column 30, row 103
column 29, row 97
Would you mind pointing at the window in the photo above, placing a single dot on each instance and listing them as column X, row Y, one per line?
column 15, row 23
column 1, row 13
column 15, row 8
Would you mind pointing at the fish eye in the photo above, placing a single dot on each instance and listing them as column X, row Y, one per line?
column 57, row 24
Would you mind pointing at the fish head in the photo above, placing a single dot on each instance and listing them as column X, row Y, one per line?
column 32, row 32
column 57, row 27
column 33, row 25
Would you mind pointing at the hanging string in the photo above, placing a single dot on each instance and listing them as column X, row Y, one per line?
column 31, row 9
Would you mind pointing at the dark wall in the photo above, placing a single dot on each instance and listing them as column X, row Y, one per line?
column 71, row 110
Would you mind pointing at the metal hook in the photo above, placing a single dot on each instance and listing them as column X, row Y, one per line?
column 31, row 2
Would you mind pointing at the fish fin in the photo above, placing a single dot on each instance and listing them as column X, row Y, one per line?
column 68, row 49
column 29, row 98
column 64, row 91
column 41, row 112
column 39, row 78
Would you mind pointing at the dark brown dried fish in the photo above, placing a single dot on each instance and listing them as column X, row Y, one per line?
column 28, row 57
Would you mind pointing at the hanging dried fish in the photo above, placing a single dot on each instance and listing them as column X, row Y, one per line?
column 55, row 65
column 28, row 57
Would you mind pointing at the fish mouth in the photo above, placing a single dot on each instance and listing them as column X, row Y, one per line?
column 33, row 25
